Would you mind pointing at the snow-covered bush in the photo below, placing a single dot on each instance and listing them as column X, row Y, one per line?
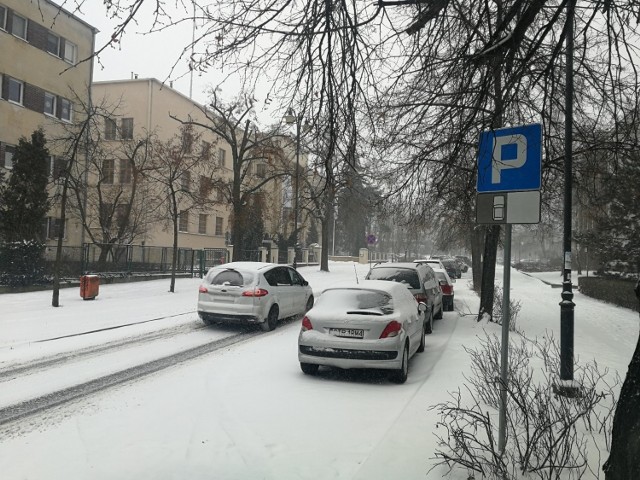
column 548, row 436
column 514, row 309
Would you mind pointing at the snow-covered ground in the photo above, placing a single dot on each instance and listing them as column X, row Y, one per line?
column 246, row 411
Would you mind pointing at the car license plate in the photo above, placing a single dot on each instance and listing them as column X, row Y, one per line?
column 347, row 332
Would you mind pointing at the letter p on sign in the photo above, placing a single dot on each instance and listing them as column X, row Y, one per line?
column 506, row 156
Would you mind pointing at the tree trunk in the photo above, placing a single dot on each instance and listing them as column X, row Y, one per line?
column 624, row 460
column 477, row 246
column 489, row 271
column 55, row 298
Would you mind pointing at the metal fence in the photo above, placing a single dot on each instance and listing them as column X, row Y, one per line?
column 124, row 259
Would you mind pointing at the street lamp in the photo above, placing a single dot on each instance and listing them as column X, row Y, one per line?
column 290, row 118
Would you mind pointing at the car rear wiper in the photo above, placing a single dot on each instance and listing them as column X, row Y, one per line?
column 365, row 312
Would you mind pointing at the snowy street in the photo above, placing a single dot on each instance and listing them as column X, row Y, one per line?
column 220, row 402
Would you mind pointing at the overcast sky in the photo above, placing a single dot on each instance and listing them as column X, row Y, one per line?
column 154, row 55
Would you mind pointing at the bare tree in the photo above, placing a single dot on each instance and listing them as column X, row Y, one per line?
column 234, row 123
column 175, row 162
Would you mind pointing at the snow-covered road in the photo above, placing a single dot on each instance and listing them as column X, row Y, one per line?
column 244, row 411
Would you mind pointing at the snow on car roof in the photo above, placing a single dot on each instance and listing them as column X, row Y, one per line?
column 382, row 285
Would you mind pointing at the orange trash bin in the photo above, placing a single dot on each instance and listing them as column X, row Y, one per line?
column 89, row 286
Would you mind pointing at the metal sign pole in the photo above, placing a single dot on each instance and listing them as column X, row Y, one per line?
column 504, row 353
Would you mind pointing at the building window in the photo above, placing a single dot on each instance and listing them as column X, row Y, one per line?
column 53, row 228
column 53, row 44
column 8, row 157
column 120, row 215
column 219, row 225
column 126, row 128
column 3, row 18
column 261, row 170
column 110, row 128
column 108, row 171
column 65, row 109
column 183, row 221
column 55, row 167
column 16, row 91
column 206, row 149
column 19, row 26
column 186, row 181
column 125, row 171
column 187, row 142
column 50, row 104
column 70, row 52
column 222, row 157
column 202, row 223
column 205, row 186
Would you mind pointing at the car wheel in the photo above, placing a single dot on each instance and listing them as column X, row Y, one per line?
column 309, row 304
column 400, row 375
column 309, row 368
column 272, row 319
column 422, row 339
column 429, row 324
column 206, row 320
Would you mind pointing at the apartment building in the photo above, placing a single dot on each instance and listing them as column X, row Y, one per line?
column 42, row 81
column 141, row 109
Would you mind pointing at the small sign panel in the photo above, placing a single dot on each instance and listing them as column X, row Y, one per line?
column 508, row 207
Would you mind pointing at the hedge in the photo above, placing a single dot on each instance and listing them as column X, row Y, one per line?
column 618, row 291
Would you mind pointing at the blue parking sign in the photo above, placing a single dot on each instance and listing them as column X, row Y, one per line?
column 510, row 159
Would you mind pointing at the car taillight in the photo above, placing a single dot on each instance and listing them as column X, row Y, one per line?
column 306, row 324
column 391, row 330
column 447, row 289
column 421, row 298
column 258, row 292
column 203, row 289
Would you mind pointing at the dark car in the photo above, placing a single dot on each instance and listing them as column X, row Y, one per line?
column 419, row 279
column 446, row 285
column 452, row 268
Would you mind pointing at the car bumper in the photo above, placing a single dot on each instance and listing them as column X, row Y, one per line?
column 228, row 318
column 322, row 349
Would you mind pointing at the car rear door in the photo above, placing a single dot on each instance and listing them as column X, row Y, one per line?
column 298, row 292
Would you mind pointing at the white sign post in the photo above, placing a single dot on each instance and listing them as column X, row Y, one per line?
column 509, row 180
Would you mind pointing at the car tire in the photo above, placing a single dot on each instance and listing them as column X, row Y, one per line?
column 272, row 319
column 400, row 376
column 309, row 304
column 206, row 320
column 422, row 339
column 429, row 324
column 309, row 368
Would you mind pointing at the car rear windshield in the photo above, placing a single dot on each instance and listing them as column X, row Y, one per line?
column 229, row 277
column 441, row 276
column 400, row 275
column 346, row 299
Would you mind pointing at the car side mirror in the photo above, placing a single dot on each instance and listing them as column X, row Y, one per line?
column 305, row 283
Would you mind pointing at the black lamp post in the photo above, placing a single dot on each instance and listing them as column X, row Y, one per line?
column 290, row 118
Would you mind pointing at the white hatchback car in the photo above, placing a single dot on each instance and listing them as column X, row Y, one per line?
column 253, row 292
column 373, row 324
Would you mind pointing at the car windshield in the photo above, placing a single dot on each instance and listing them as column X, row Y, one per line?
column 400, row 275
column 230, row 277
column 345, row 299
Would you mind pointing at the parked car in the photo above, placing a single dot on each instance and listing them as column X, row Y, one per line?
column 373, row 324
column 446, row 285
column 451, row 267
column 432, row 262
column 419, row 279
column 462, row 265
column 253, row 293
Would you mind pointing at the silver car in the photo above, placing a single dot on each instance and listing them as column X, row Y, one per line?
column 253, row 292
column 373, row 324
